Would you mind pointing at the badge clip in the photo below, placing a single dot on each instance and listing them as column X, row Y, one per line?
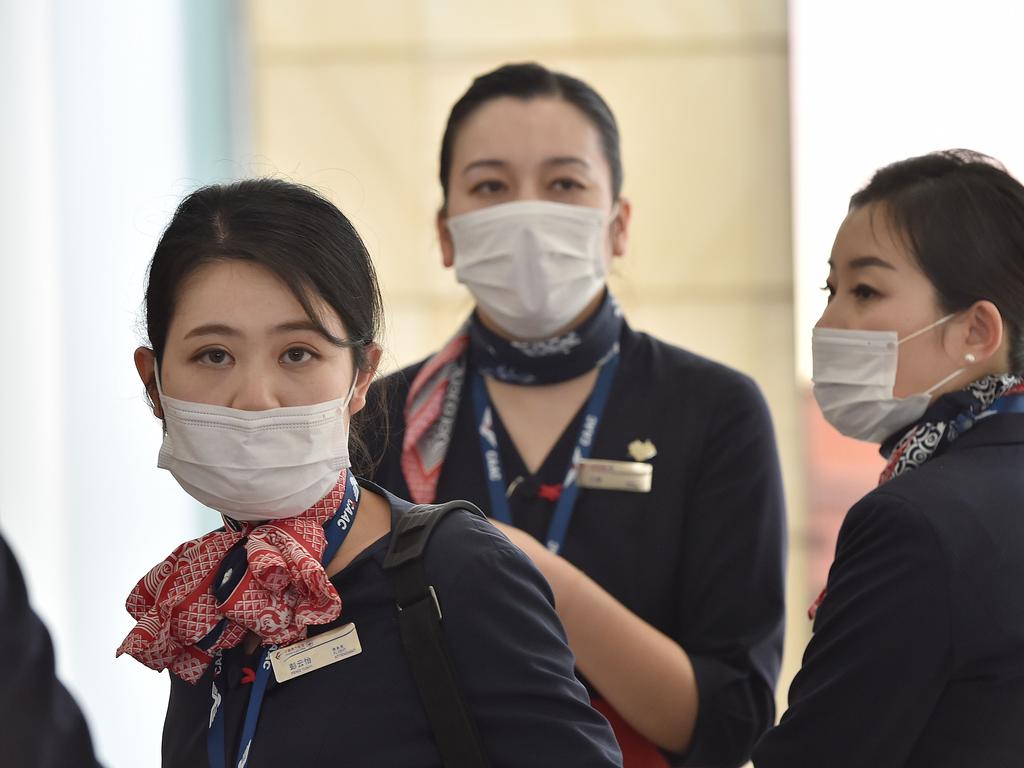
column 610, row 475
column 315, row 652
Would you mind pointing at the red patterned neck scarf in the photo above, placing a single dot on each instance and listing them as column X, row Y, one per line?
column 944, row 421
column 284, row 590
column 430, row 410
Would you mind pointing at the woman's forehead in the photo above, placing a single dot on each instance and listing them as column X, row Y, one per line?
column 867, row 231
column 526, row 131
column 239, row 291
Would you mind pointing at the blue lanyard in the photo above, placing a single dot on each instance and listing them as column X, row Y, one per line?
column 1009, row 404
column 335, row 529
column 562, row 515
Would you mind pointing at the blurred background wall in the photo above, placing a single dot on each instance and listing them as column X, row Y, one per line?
column 746, row 124
column 112, row 110
column 352, row 98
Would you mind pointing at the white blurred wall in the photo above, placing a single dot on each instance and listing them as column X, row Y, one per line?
column 96, row 154
column 875, row 81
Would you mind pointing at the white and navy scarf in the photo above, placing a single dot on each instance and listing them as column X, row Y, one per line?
column 945, row 420
column 434, row 395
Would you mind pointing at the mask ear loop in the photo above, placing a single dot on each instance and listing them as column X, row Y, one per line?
column 351, row 392
column 946, row 380
column 156, row 375
column 915, row 334
column 927, row 328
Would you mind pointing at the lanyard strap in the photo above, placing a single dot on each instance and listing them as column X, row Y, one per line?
column 335, row 529
column 562, row 515
column 1009, row 404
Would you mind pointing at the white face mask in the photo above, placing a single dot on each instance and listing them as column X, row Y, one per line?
column 255, row 465
column 854, row 377
column 532, row 266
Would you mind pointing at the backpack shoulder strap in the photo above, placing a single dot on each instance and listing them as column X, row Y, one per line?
column 419, row 622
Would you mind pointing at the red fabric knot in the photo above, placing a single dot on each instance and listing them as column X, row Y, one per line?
column 248, row 675
column 284, row 590
column 550, row 491
column 812, row 610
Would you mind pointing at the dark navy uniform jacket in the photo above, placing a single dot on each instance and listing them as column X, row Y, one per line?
column 40, row 724
column 917, row 657
column 506, row 643
column 701, row 557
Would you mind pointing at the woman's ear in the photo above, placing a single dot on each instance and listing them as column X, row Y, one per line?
column 983, row 339
column 364, row 377
column 444, row 237
column 620, row 227
column 145, row 364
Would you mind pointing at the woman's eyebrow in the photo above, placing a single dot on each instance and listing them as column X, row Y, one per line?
column 297, row 325
column 567, row 160
column 863, row 262
column 213, row 329
column 309, row 325
column 485, row 163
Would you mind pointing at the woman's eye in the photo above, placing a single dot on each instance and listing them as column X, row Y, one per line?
column 864, row 291
column 298, row 355
column 566, row 185
column 216, row 357
column 487, row 187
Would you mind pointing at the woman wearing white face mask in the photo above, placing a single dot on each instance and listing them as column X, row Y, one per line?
column 917, row 657
column 281, row 629
column 609, row 456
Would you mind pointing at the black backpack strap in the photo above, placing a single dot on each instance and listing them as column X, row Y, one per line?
column 419, row 621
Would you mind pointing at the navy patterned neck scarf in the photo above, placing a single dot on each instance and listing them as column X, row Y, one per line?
column 547, row 361
column 436, row 391
column 945, row 420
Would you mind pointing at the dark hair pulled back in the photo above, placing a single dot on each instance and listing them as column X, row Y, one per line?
column 962, row 217
column 528, row 81
column 286, row 228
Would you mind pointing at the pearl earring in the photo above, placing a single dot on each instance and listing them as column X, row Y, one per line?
column 970, row 358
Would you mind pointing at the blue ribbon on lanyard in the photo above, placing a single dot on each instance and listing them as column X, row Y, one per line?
column 1009, row 404
column 562, row 515
column 335, row 529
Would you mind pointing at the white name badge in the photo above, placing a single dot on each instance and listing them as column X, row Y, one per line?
column 609, row 475
column 316, row 652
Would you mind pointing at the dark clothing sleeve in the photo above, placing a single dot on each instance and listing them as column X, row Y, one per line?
column 873, row 670
column 511, row 656
column 730, row 577
column 40, row 724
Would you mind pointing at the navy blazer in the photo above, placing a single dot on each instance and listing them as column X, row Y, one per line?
column 40, row 724
column 507, row 649
column 917, row 657
column 701, row 557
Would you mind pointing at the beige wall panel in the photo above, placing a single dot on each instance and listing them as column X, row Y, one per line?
column 419, row 26
column 353, row 133
column 351, row 97
column 711, row 208
column 752, row 336
column 707, row 167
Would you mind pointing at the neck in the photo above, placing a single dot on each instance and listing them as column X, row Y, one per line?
column 588, row 311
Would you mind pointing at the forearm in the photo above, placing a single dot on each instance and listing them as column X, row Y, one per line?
column 644, row 674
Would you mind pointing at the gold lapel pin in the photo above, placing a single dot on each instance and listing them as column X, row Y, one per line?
column 642, row 450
